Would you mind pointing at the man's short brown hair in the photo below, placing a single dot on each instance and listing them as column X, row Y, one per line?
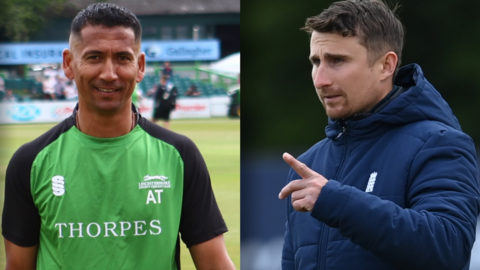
column 376, row 25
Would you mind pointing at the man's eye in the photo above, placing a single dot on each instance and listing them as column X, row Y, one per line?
column 337, row 60
column 124, row 58
column 93, row 57
column 315, row 62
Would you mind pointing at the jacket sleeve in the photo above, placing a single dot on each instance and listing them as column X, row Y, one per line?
column 436, row 229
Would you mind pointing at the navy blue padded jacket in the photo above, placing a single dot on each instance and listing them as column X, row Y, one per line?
column 403, row 189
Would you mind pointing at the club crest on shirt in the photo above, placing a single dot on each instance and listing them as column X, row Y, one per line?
column 149, row 183
column 159, row 177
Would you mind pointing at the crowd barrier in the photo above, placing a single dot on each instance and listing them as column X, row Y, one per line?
column 56, row 111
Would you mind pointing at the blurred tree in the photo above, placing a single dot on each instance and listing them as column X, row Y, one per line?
column 20, row 18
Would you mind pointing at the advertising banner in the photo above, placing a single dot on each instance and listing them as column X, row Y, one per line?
column 35, row 112
column 186, row 108
column 155, row 50
column 219, row 105
column 31, row 53
column 56, row 111
column 181, row 50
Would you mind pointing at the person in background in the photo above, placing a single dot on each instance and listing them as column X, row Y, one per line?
column 2, row 83
column 70, row 90
column 2, row 87
column 165, row 100
column 9, row 96
column 49, row 83
column 59, row 88
column 167, row 70
column 193, row 91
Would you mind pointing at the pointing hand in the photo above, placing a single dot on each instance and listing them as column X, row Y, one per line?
column 304, row 191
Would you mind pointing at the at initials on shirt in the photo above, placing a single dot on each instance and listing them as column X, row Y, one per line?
column 151, row 197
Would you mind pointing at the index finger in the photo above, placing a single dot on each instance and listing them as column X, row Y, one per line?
column 298, row 166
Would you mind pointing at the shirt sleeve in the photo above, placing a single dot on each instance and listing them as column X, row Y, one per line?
column 20, row 218
column 201, row 219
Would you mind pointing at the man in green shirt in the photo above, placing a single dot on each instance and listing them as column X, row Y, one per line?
column 106, row 188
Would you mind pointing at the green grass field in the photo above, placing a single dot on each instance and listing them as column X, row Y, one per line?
column 219, row 141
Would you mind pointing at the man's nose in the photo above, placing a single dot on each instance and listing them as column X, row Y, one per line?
column 321, row 77
column 109, row 71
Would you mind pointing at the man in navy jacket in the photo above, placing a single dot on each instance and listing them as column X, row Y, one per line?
column 395, row 184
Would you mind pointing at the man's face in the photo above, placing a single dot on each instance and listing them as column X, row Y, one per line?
column 345, row 82
column 106, row 64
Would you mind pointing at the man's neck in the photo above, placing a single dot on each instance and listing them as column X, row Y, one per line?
column 105, row 125
column 394, row 93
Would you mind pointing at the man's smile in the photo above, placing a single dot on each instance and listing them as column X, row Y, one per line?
column 105, row 90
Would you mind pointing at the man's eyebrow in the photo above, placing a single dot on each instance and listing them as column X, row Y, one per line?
column 329, row 56
column 313, row 57
column 100, row 52
column 93, row 52
column 335, row 55
column 124, row 53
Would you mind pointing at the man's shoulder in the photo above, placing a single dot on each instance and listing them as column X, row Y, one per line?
column 28, row 151
column 422, row 131
column 179, row 141
column 425, row 129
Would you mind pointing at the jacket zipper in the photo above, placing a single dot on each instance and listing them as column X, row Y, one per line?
column 324, row 228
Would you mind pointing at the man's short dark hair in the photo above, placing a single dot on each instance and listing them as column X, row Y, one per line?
column 376, row 25
column 106, row 14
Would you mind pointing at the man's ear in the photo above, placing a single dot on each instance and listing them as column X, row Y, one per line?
column 141, row 67
column 389, row 63
column 67, row 63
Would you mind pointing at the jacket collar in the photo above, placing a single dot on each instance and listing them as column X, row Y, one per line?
column 415, row 99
